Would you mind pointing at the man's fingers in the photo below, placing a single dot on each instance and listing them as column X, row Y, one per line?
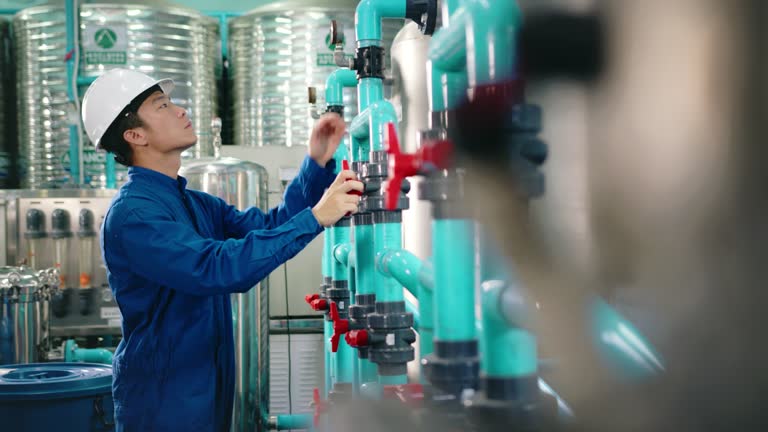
column 351, row 185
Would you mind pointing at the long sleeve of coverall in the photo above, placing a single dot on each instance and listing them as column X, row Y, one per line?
column 304, row 191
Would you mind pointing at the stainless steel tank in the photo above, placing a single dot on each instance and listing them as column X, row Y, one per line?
column 410, row 98
column 276, row 52
column 161, row 41
column 27, row 293
column 7, row 131
column 243, row 185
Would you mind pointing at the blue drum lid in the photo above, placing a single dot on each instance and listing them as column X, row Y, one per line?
column 53, row 380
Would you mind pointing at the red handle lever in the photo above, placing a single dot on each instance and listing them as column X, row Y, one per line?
column 316, row 303
column 401, row 165
column 357, row 338
column 340, row 326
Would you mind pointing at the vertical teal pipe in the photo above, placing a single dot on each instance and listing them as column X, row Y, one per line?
column 493, row 27
column 110, row 169
column 369, row 90
column 452, row 252
column 327, row 253
column 345, row 356
column 339, row 239
column 426, row 304
column 387, row 236
column 72, row 93
column 364, row 256
column 329, row 377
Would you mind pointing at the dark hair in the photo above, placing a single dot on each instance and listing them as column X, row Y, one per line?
column 113, row 140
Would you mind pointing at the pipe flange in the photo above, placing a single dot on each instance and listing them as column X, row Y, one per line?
column 445, row 185
column 369, row 62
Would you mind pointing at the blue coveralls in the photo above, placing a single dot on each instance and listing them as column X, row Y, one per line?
column 173, row 258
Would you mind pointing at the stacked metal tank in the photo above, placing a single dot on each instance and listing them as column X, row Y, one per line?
column 277, row 51
column 160, row 41
column 7, row 131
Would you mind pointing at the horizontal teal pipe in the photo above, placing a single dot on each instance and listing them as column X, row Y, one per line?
column 339, row 236
column 507, row 351
column 88, row 355
column 369, row 90
column 341, row 253
column 402, row 265
column 372, row 124
column 492, row 40
column 327, row 259
column 387, row 236
column 368, row 16
column 620, row 344
column 365, row 272
column 294, row 421
column 335, row 83
column 413, row 308
column 454, row 266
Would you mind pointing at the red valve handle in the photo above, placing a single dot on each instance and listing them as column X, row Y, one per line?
column 320, row 407
column 357, row 338
column 316, row 302
column 345, row 166
column 340, row 326
column 409, row 394
column 401, row 165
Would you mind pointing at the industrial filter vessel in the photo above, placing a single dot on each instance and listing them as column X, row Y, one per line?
column 243, row 185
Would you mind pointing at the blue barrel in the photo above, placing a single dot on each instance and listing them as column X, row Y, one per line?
column 62, row 397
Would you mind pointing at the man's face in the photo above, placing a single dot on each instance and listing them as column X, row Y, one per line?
column 166, row 125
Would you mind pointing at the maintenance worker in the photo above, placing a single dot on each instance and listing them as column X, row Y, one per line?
column 174, row 256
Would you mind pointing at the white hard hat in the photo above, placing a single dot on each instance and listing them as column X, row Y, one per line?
column 110, row 94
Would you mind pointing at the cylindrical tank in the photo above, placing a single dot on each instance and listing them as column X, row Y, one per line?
column 7, row 130
column 67, row 397
column 27, row 295
column 410, row 98
column 243, row 185
column 161, row 41
column 277, row 51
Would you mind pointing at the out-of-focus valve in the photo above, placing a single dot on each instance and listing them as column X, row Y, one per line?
column 340, row 326
column 316, row 302
column 337, row 40
column 432, row 155
column 312, row 99
column 357, row 338
column 321, row 407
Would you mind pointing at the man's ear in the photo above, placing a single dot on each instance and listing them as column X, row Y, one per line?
column 135, row 136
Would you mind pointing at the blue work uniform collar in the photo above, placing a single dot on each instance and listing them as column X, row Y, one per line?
column 157, row 179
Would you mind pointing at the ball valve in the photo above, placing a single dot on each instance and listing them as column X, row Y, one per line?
column 340, row 326
column 316, row 302
column 432, row 155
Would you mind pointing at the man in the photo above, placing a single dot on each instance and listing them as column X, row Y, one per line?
column 174, row 256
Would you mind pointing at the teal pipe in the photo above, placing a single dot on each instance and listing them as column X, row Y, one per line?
column 508, row 349
column 342, row 252
column 327, row 253
column 426, row 309
column 364, row 259
column 387, row 236
column 110, row 168
column 369, row 90
column 85, row 80
column 368, row 16
column 368, row 371
column 454, row 301
column 403, row 266
column 413, row 309
column 293, row 421
column 335, row 83
column 339, row 237
column 393, row 380
column 491, row 40
column 344, row 357
column 327, row 332
column 372, row 124
column 74, row 134
column 448, row 47
column 72, row 353
column 620, row 344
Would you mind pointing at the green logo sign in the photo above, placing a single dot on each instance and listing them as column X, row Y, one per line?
column 332, row 46
column 105, row 38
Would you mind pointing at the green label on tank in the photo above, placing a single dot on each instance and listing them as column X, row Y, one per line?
column 106, row 45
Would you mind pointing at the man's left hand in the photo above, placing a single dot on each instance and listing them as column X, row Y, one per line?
column 325, row 138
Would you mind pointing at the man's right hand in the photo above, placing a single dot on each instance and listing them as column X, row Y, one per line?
column 336, row 202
